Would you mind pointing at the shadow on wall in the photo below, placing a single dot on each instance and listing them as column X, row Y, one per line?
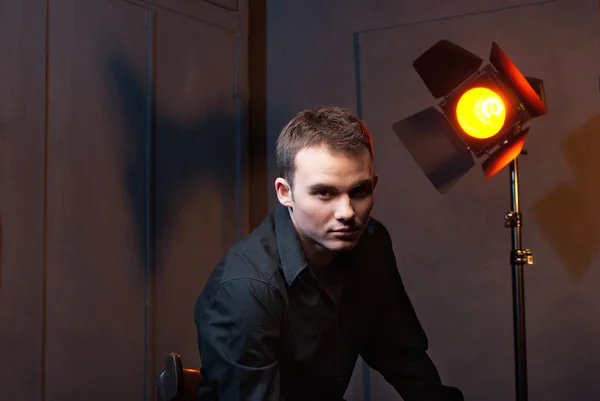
column 183, row 154
column 569, row 216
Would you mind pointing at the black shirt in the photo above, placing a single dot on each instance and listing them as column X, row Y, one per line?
column 267, row 332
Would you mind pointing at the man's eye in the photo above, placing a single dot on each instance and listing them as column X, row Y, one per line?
column 362, row 192
column 323, row 193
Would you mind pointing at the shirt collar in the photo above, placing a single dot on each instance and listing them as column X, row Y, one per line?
column 291, row 254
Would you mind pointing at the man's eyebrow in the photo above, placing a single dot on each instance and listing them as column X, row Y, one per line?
column 365, row 182
column 321, row 187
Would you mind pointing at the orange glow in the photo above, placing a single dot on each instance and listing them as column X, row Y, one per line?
column 481, row 113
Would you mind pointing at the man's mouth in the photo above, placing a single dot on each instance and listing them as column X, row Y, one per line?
column 346, row 230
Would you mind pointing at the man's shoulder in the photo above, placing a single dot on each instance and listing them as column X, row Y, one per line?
column 252, row 258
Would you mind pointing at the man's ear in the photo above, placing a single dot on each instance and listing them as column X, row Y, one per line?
column 375, row 179
column 284, row 192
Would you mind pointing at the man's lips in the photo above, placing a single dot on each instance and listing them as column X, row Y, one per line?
column 346, row 230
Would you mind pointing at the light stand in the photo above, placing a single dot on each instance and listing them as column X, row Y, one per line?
column 519, row 257
column 482, row 109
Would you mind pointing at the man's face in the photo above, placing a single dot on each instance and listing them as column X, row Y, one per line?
column 332, row 197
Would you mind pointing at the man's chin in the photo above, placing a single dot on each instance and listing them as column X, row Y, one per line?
column 341, row 246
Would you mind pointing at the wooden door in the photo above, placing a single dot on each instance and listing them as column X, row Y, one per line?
column 22, row 150
column 131, row 161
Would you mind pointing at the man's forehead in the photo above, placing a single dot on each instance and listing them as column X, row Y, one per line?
column 333, row 178
column 322, row 157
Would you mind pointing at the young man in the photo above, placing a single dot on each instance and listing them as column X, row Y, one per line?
column 288, row 310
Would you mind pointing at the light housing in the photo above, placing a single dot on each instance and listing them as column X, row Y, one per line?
column 480, row 113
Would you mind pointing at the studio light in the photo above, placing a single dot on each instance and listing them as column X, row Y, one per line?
column 481, row 115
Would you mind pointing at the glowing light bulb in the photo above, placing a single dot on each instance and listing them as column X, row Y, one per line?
column 481, row 112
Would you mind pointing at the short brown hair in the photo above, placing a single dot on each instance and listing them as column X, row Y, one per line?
column 335, row 127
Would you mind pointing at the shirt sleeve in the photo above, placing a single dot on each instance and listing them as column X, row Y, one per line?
column 238, row 337
column 397, row 346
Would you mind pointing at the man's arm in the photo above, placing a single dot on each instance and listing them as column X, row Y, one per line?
column 398, row 345
column 238, row 334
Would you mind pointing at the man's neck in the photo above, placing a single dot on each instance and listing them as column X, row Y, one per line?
column 318, row 258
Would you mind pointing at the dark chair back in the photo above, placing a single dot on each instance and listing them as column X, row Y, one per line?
column 176, row 383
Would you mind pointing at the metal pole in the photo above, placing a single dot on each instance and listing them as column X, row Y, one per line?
column 519, row 257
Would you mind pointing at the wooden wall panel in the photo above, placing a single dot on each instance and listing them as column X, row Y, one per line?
column 231, row 5
column 220, row 13
column 123, row 179
column 96, row 190
column 200, row 198
column 21, row 197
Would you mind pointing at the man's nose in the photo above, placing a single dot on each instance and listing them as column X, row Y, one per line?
column 344, row 210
